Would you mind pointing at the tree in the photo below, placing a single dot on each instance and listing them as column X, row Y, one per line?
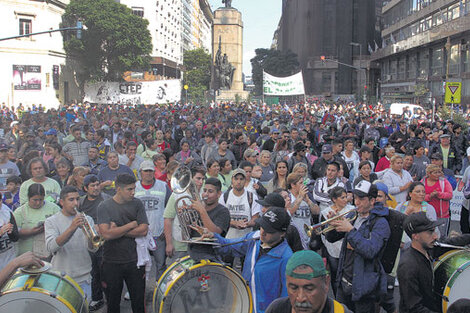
column 115, row 40
column 275, row 62
column 197, row 74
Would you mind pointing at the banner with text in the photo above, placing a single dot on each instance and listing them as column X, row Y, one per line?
column 457, row 199
column 283, row 86
column 153, row 92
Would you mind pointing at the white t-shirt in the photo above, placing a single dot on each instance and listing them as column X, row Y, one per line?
column 299, row 218
column 239, row 208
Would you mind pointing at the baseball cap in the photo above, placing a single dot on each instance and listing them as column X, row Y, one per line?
column 436, row 156
column 308, row 258
column 273, row 200
column 4, row 146
column 274, row 220
column 238, row 171
column 146, row 165
column 274, row 130
column 419, row 222
column 51, row 131
column 365, row 189
column 250, row 152
column 327, row 148
column 14, row 123
column 299, row 146
column 444, row 136
column 382, row 187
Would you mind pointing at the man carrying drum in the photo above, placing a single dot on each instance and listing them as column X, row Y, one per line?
column 415, row 271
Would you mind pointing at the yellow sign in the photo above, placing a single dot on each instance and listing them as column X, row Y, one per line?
column 185, row 87
column 453, row 92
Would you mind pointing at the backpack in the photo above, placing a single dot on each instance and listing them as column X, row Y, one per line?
column 249, row 195
column 395, row 221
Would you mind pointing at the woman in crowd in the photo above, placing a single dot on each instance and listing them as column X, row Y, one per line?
column 186, row 156
column 332, row 250
column 384, row 162
column 30, row 219
column 280, row 177
column 438, row 194
column 213, row 170
column 365, row 173
column 351, row 158
column 281, row 151
column 397, row 179
column 77, row 178
column 62, row 172
column 159, row 161
column 266, row 166
column 54, row 150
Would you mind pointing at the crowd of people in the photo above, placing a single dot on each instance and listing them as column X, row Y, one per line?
column 265, row 177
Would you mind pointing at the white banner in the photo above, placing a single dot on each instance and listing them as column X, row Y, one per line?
column 457, row 199
column 153, row 92
column 283, row 86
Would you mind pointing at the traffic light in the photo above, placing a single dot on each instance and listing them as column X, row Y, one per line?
column 365, row 87
column 322, row 58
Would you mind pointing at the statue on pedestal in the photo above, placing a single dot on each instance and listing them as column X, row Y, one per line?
column 228, row 3
column 223, row 70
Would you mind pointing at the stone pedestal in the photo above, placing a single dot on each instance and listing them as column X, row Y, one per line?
column 228, row 29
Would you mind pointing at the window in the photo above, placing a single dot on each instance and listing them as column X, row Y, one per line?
column 437, row 62
column 454, row 61
column 466, row 61
column 423, row 64
column 138, row 11
column 401, row 68
column 26, row 26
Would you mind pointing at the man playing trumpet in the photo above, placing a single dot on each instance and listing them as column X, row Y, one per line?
column 69, row 247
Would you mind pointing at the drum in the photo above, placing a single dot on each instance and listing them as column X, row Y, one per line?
column 452, row 276
column 201, row 287
column 47, row 292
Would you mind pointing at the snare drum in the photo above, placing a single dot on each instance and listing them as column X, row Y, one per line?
column 201, row 287
column 47, row 292
column 452, row 277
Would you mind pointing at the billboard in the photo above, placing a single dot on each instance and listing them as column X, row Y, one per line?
column 27, row 77
column 153, row 92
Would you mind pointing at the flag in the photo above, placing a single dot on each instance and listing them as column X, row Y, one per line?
column 369, row 48
column 376, row 46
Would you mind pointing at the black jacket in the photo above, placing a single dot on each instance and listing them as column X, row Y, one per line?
column 454, row 160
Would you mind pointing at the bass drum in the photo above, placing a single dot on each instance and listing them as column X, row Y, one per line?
column 452, row 277
column 201, row 287
column 47, row 292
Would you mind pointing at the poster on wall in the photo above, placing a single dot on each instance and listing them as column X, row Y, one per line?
column 27, row 77
column 153, row 92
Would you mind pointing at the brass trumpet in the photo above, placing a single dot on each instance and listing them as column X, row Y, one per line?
column 96, row 240
column 322, row 228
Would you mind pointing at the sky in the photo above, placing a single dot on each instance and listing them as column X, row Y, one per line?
column 260, row 19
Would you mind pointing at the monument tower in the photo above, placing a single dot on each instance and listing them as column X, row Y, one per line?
column 227, row 47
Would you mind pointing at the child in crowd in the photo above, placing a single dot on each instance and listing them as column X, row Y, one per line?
column 12, row 196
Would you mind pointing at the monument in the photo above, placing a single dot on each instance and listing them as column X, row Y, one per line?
column 227, row 47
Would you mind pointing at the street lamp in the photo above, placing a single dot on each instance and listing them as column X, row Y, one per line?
column 356, row 44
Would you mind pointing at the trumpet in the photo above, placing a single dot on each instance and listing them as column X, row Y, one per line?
column 324, row 227
column 96, row 240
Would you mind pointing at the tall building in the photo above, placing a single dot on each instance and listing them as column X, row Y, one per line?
column 175, row 26
column 425, row 42
column 34, row 69
column 342, row 31
column 197, row 25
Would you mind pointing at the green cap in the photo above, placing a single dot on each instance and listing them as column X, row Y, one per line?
column 308, row 258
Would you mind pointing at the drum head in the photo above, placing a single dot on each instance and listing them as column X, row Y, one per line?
column 207, row 289
column 457, row 287
column 29, row 301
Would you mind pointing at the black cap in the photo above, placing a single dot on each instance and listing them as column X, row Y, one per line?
column 436, row 156
column 273, row 200
column 274, row 220
column 419, row 222
column 299, row 146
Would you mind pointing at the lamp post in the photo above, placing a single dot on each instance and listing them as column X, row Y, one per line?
column 356, row 44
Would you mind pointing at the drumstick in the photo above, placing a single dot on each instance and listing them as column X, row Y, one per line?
column 240, row 241
column 446, row 245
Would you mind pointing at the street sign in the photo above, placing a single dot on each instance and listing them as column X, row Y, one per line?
column 453, row 92
column 185, row 87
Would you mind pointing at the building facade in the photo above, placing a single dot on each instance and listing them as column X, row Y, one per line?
column 342, row 31
column 425, row 43
column 197, row 25
column 35, row 69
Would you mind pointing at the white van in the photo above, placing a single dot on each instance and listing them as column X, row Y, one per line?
column 397, row 108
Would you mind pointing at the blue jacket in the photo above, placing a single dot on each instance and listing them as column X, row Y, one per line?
column 268, row 281
column 369, row 277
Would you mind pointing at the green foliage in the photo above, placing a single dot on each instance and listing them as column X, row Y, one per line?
column 444, row 113
column 115, row 40
column 420, row 91
column 275, row 62
column 197, row 75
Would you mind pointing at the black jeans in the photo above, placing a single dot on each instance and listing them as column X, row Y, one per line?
column 464, row 221
column 113, row 277
column 364, row 305
column 96, row 290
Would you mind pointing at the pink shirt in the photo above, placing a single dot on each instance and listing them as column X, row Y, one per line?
column 440, row 203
